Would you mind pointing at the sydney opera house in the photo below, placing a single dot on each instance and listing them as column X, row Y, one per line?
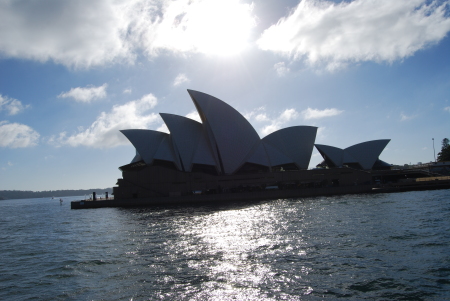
column 224, row 154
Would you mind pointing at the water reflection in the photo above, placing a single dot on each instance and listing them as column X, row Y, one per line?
column 230, row 240
column 319, row 248
column 392, row 246
column 222, row 253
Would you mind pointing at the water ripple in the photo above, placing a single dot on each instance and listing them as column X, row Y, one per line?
column 358, row 247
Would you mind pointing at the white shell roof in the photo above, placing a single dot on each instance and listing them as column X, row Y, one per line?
column 335, row 154
column 227, row 130
column 276, row 157
column 136, row 158
column 348, row 158
column 146, row 142
column 189, row 140
column 295, row 142
column 166, row 151
column 366, row 153
column 227, row 140
column 259, row 155
column 203, row 153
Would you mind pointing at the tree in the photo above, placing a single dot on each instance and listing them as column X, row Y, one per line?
column 444, row 154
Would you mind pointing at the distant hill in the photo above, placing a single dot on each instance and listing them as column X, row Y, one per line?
column 19, row 194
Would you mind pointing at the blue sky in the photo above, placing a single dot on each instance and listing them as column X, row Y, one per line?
column 73, row 73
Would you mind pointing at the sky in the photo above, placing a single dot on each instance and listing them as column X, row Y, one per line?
column 73, row 73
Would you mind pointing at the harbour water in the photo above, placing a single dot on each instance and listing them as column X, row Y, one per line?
column 352, row 247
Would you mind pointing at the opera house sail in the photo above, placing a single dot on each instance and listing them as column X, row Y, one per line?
column 362, row 155
column 223, row 154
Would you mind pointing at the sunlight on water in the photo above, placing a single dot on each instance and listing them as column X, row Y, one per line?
column 360, row 247
column 233, row 236
column 232, row 250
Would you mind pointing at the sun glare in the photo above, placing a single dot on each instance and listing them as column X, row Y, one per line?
column 217, row 27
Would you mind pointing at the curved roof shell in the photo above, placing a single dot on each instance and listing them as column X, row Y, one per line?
column 231, row 136
column 275, row 156
column 334, row 154
column 295, row 142
column 166, row 151
column 136, row 158
column 203, row 153
column 146, row 142
column 259, row 155
column 366, row 153
column 189, row 141
column 226, row 141
column 348, row 158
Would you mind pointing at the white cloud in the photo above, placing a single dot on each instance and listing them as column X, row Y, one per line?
column 163, row 128
column 180, row 79
column 77, row 33
column 15, row 135
column 261, row 117
column 287, row 115
column 13, row 106
column 281, row 69
column 254, row 113
column 84, row 33
column 321, row 133
column 360, row 30
column 10, row 164
column 404, row 117
column 276, row 123
column 85, row 94
column 104, row 132
column 272, row 123
column 217, row 27
column 268, row 129
column 447, row 109
column 127, row 91
column 194, row 115
column 317, row 114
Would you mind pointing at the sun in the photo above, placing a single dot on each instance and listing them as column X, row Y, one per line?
column 218, row 27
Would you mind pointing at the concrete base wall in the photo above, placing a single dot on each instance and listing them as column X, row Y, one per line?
column 224, row 198
column 157, row 181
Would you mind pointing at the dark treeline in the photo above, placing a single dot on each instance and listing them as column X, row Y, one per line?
column 18, row 194
column 444, row 154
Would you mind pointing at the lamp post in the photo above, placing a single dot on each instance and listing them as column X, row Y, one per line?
column 434, row 151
